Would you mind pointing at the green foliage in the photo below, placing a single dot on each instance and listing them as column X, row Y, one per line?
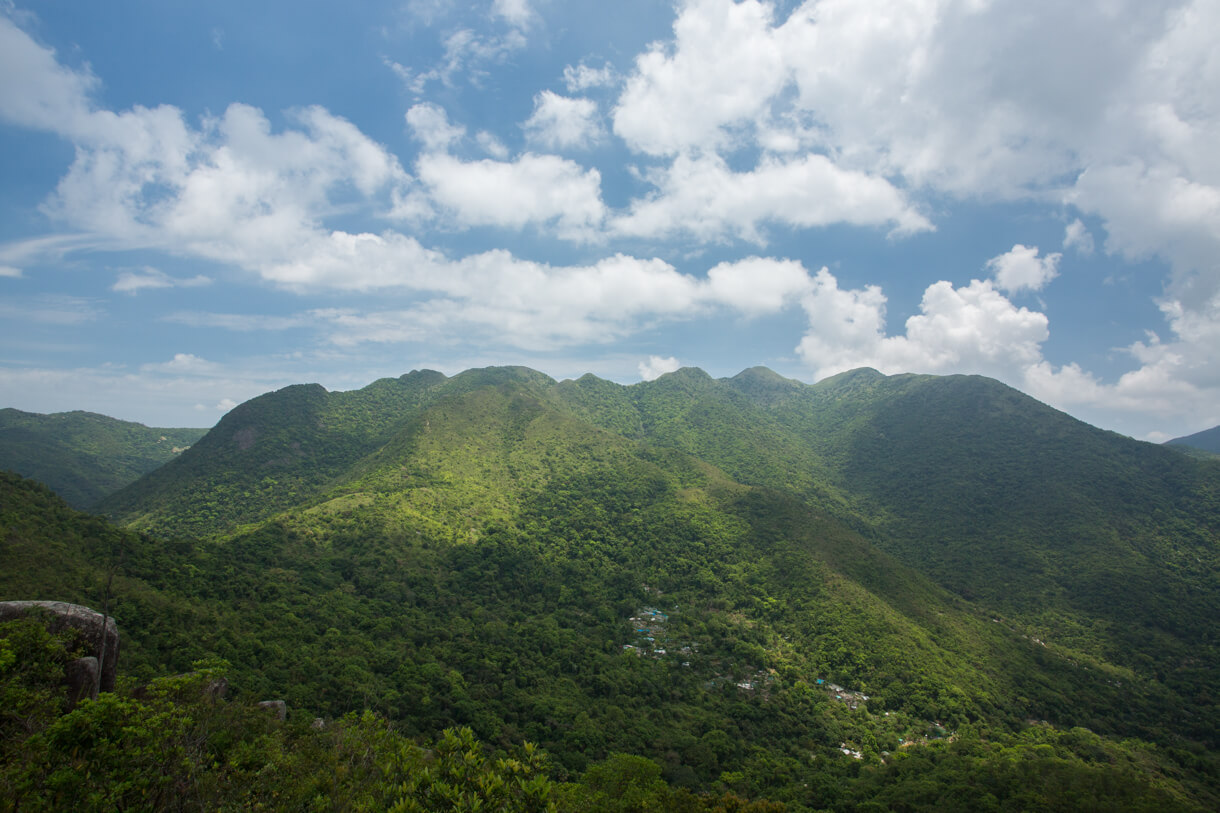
column 1207, row 441
column 83, row 456
column 467, row 553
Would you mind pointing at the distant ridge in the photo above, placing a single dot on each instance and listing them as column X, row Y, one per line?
column 83, row 456
column 1207, row 441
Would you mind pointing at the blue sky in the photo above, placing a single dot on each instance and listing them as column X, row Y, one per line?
column 203, row 202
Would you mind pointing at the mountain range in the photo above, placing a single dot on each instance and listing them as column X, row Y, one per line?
column 759, row 584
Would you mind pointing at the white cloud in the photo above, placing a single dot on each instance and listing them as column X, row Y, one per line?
column 517, row 13
column 723, row 69
column 1078, row 237
column 9, row 271
column 560, row 122
column 582, row 77
column 657, row 366
column 183, row 364
column 1155, row 211
column 230, row 190
column 35, row 89
column 758, row 285
column 1022, row 270
column 971, row 329
column 492, row 145
column 430, row 124
column 131, row 282
column 532, row 190
column 975, row 329
column 1113, row 107
column 703, row 197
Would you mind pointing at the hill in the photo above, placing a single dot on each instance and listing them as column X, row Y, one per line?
column 1207, row 441
column 83, row 456
column 646, row 568
column 1086, row 538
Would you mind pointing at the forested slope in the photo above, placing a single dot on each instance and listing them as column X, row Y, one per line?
column 83, row 456
column 710, row 573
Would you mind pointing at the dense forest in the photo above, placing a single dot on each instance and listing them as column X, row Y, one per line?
column 84, row 456
column 903, row 592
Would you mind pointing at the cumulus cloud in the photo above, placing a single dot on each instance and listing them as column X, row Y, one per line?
column 36, row 90
column 581, row 77
column 991, row 101
column 532, row 190
column 758, row 285
column 705, row 198
column 430, row 124
column 1021, row 269
column 517, row 13
column 976, row 329
column 560, row 122
column 492, row 145
column 657, row 366
column 973, row 328
column 1078, row 237
column 722, row 69
column 519, row 303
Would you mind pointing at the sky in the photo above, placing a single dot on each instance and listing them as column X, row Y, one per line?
column 202, row 202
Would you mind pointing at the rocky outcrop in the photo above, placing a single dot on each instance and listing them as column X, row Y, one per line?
column 277, row 707
column 100, row 645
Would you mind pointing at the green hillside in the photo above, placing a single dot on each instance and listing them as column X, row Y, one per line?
column 83, row 456
column 1207, row 441
column 872, row 588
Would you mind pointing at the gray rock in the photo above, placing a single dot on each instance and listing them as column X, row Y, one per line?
column 60, row 616
column 277, row 707
column 81, row 677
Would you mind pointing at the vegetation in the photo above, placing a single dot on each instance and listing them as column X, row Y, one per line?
column 1205, row 444
column 83, row 456
column 872, row 593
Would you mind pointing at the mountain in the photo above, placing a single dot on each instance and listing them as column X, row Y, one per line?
column 737, row 578
column 83, row 456
column 1207, row 441
column 1098, row 542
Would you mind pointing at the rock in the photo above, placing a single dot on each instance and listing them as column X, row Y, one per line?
column 216, row 689
column 277, row 707
column 103, row 646
column 81, row 677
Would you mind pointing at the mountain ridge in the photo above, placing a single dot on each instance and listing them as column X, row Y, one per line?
column 84, row 456
column 492, row 549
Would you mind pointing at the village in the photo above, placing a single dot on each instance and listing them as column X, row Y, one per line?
column 650, row 638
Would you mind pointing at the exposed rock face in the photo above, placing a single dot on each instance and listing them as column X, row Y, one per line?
column 277, row 707
column 81, row 677
column 101, row 646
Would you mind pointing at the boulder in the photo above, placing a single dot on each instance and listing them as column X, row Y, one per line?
column 101, row 645
column 277, row 707
column 81, row 677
